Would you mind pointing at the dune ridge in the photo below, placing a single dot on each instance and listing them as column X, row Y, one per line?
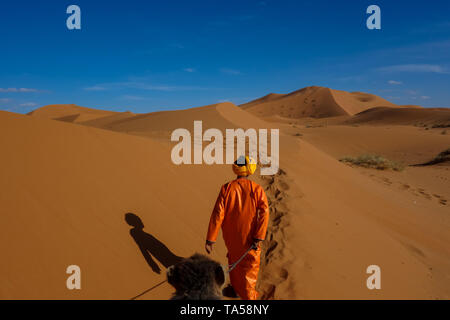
column 69, row 113
column 315, row 102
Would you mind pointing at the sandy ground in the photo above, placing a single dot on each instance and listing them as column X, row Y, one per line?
column 67, row 184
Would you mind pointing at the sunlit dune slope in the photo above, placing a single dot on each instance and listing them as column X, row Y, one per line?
column 315, row 102
column 162, row 124
column 64, row 191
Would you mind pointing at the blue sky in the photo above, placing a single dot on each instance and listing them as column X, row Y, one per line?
column 145, row 56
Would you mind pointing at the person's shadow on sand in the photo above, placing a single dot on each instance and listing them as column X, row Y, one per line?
column 149, row 245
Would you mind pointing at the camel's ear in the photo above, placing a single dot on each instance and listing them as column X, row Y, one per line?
column 170, row 271
column 219, row 275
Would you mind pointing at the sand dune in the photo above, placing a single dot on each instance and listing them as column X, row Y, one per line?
column 69, row 113
column 105, row 122
column 163, row 123
column 315, row 102
column 66, row 188
column 66, row 205
column 407, row 144
column 345, row 221
column 266, row 98
column 65, row 191
column 438, row 117
column 355, row 102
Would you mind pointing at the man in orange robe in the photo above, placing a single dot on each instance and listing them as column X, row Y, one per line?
column 242, row 211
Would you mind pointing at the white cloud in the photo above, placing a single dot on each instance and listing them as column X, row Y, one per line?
column 411, row 92
column 352, row 78
column 28, row 104
column 95, row 88
column 432, row 68
column 18, row 90
column 149, row 87
column 189, row 69
column 135, row 98
column 230, row 71
column 143, row 85
column 424, row 97
column 4, row 100
column 393, row 82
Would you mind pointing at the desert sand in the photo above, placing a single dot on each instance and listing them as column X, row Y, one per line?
column 70, row 174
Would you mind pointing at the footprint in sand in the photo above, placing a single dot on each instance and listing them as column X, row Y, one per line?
column 284, row 273
column 417, row 192
column 271, row 247
column 441, row 199
column 416, row 250
column 405, row 187
column 424, row 194
column 273, row 250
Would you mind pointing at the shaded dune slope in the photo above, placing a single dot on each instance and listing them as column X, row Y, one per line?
column 439, row 117
column 69, row 113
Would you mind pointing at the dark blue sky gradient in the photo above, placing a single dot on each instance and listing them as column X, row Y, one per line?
column 158, row 55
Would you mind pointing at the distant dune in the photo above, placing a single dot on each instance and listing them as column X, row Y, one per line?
column 108, row 121
column 154, row 124
column 315, row 102
column 162, row 123
column 438, row 117
column 69, row 113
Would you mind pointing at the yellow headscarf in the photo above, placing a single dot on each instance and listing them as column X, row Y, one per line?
column 246, row 169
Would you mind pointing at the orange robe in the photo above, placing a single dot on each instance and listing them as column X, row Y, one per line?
column 243, row 213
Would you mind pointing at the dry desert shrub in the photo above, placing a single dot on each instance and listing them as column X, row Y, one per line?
column 373, row 161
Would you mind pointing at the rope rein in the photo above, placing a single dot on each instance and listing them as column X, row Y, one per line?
column 232, row 266
column 148, row 290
